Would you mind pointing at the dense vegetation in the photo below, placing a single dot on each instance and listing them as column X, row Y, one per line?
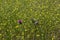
column 47, row 12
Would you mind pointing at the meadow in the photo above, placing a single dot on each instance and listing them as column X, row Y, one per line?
column 47, row 12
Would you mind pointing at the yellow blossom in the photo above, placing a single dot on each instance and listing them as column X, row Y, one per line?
column 17, row 26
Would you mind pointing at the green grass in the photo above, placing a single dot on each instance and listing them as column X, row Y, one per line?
column 46, row 11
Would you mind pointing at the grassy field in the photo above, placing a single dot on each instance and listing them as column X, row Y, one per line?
column 46, row 11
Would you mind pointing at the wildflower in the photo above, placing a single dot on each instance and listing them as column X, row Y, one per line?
column 17, row 26
column 20, row 21
column 35, row 21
